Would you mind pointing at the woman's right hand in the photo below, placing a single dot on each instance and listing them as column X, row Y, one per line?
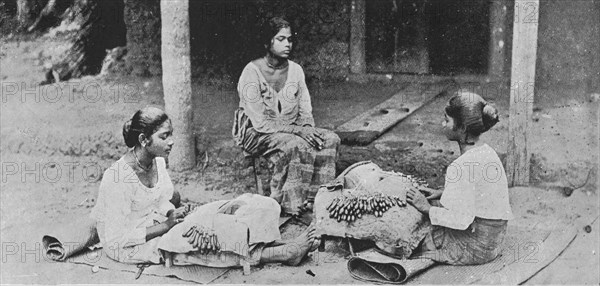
column 431, row 194
column 312, row 136
column 173, row 219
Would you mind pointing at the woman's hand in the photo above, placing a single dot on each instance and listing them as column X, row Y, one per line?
column 173, row 217
column 312, row 136
column 190, row 207
column 180, row 212
column 418, row 200
column 431, row 194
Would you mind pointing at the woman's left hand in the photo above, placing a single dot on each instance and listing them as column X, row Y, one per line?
column 418, row 200
column 312, row 136
column 180, row 212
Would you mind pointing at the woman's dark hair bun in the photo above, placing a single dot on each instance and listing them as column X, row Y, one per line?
column 489, row 117
column 145, row 121
column 129, row 140
column 471, row 111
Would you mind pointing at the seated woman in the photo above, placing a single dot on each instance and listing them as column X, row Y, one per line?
column 135, row 206
column 275, row 120
column 469, row 221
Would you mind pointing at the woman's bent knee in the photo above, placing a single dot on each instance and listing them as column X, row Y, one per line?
column 330, row 137
column 333, row 139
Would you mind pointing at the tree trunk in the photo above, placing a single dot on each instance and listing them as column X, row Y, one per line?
column 176, row 65
column 102, row 28
column 27, row 11
column 49, row 16
column 422, row 31
column 498, row 27
column 357, row 37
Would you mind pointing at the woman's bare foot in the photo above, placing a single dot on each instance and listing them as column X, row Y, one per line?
column 315, row 245
column 299, row 247
column 307, row 206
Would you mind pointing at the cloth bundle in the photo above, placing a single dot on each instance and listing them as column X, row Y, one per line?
column 239, row 224
column 398, row 231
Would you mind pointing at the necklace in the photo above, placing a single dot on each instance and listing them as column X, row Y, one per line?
column 282, row 66
column 137, row 161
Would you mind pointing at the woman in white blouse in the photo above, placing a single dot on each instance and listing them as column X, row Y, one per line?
column 136, row 215
column 469, row 220
column 134, row 203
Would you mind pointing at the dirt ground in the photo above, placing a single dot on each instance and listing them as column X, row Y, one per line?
column 57, row 140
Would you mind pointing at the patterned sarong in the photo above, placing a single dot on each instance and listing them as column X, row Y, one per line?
column 297, row 168
column 478, row 244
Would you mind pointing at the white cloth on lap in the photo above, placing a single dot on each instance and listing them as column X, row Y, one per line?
column 255, row 220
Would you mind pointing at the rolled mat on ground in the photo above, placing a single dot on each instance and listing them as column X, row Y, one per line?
column 66, row 240
column 524, row 253
column 370, row 265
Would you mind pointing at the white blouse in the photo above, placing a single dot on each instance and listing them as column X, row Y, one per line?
column 476, row 186
column 125, row 207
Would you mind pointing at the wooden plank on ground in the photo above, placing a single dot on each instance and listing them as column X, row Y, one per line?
column 368, row 126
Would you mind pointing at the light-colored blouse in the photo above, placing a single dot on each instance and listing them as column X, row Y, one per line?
column 261, row 102
column 476, row 186
column 125, row 207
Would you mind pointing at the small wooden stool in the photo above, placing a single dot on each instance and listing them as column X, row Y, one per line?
column 257, row 180
column 254, row 161
column 168, row 259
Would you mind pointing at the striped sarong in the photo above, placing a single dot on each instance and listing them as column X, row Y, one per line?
column 478, row 244
column 243, row 134
column 297, row 168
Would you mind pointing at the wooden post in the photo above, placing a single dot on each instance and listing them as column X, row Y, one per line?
column 358, row 63
column 524, row 48
column 497, row 50
column 421, row 42
column 176, row 75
